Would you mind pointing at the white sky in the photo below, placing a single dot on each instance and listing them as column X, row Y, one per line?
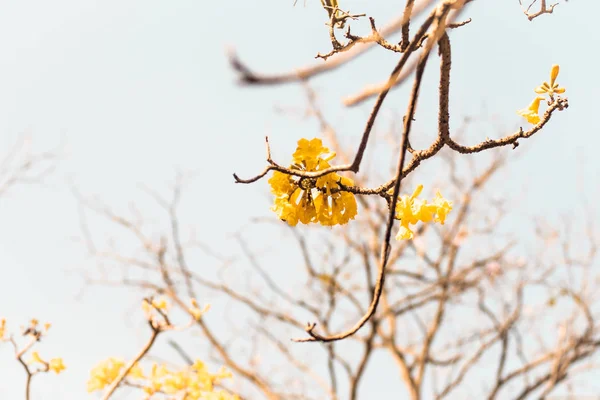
column 138, row 89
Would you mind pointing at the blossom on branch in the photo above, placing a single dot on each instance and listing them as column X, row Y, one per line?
column 410, row 210
column 312, row 200
column 531, row 113
column 551, row 88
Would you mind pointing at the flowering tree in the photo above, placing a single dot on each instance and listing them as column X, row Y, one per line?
column 310, row 189
column 451, row 306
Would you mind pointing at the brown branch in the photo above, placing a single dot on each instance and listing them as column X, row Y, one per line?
column 385, row 248
column 374, row 89
column 247, row 76
column 408, row 9
column 19, row 356
column 543, row 9
column 354, row 167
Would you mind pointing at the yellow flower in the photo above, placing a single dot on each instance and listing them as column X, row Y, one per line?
column 175, row 382
column 47, row 326
column 196, row 312
column 551, row 88
column 310, row 200
column 56, row 365
column 2, row 328
column 35, row 357
column 442, row 208
column 34, row 322
column 531, row 113
column 136, row 372
column 104, row 373
column 309, row 152
column 160, row 304
column 410, row 210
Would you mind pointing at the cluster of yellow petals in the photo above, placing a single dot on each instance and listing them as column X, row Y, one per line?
column 410, row 210
column 105, row 373
column 190, row 383
column 2, row 328
column 531, row 113
column 308, row 200
column 55, row 364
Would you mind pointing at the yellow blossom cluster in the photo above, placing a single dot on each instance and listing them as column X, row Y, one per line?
column 107, row 371
column 531, row 113
column 55, row 364
column 160, row 304
column 410, row 210
column 312, row 200
column 191, row 383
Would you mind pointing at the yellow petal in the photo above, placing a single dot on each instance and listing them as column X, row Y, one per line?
column 404, row 233
column 35, row 357
column 417, row 192
column 554, row 74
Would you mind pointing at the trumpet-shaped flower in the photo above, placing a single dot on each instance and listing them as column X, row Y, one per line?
column 312, row 200
column 531, row 113
column 410, row 210
column 551, row 88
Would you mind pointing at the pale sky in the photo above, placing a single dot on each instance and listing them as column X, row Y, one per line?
column 140, row 89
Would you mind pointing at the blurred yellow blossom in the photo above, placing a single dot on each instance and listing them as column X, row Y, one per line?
column 104, row 374
column 2, row 328
column 191, row 383
column 56, row 365
column 196, row 311
column 136, row 372
column 309, row 200
column 35, row 357
column 160, row 304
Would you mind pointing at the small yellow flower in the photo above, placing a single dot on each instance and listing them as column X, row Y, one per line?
column 104, row 374
column 160, row 304
column 34, row 322
column 136, row 372
column 47, row 326
column 35, row 357
column 551, row 88
column 2, row 328
column 56, row 365
column 410, row 210
column 531, row 113
column 442, row 208
column 196, row 312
